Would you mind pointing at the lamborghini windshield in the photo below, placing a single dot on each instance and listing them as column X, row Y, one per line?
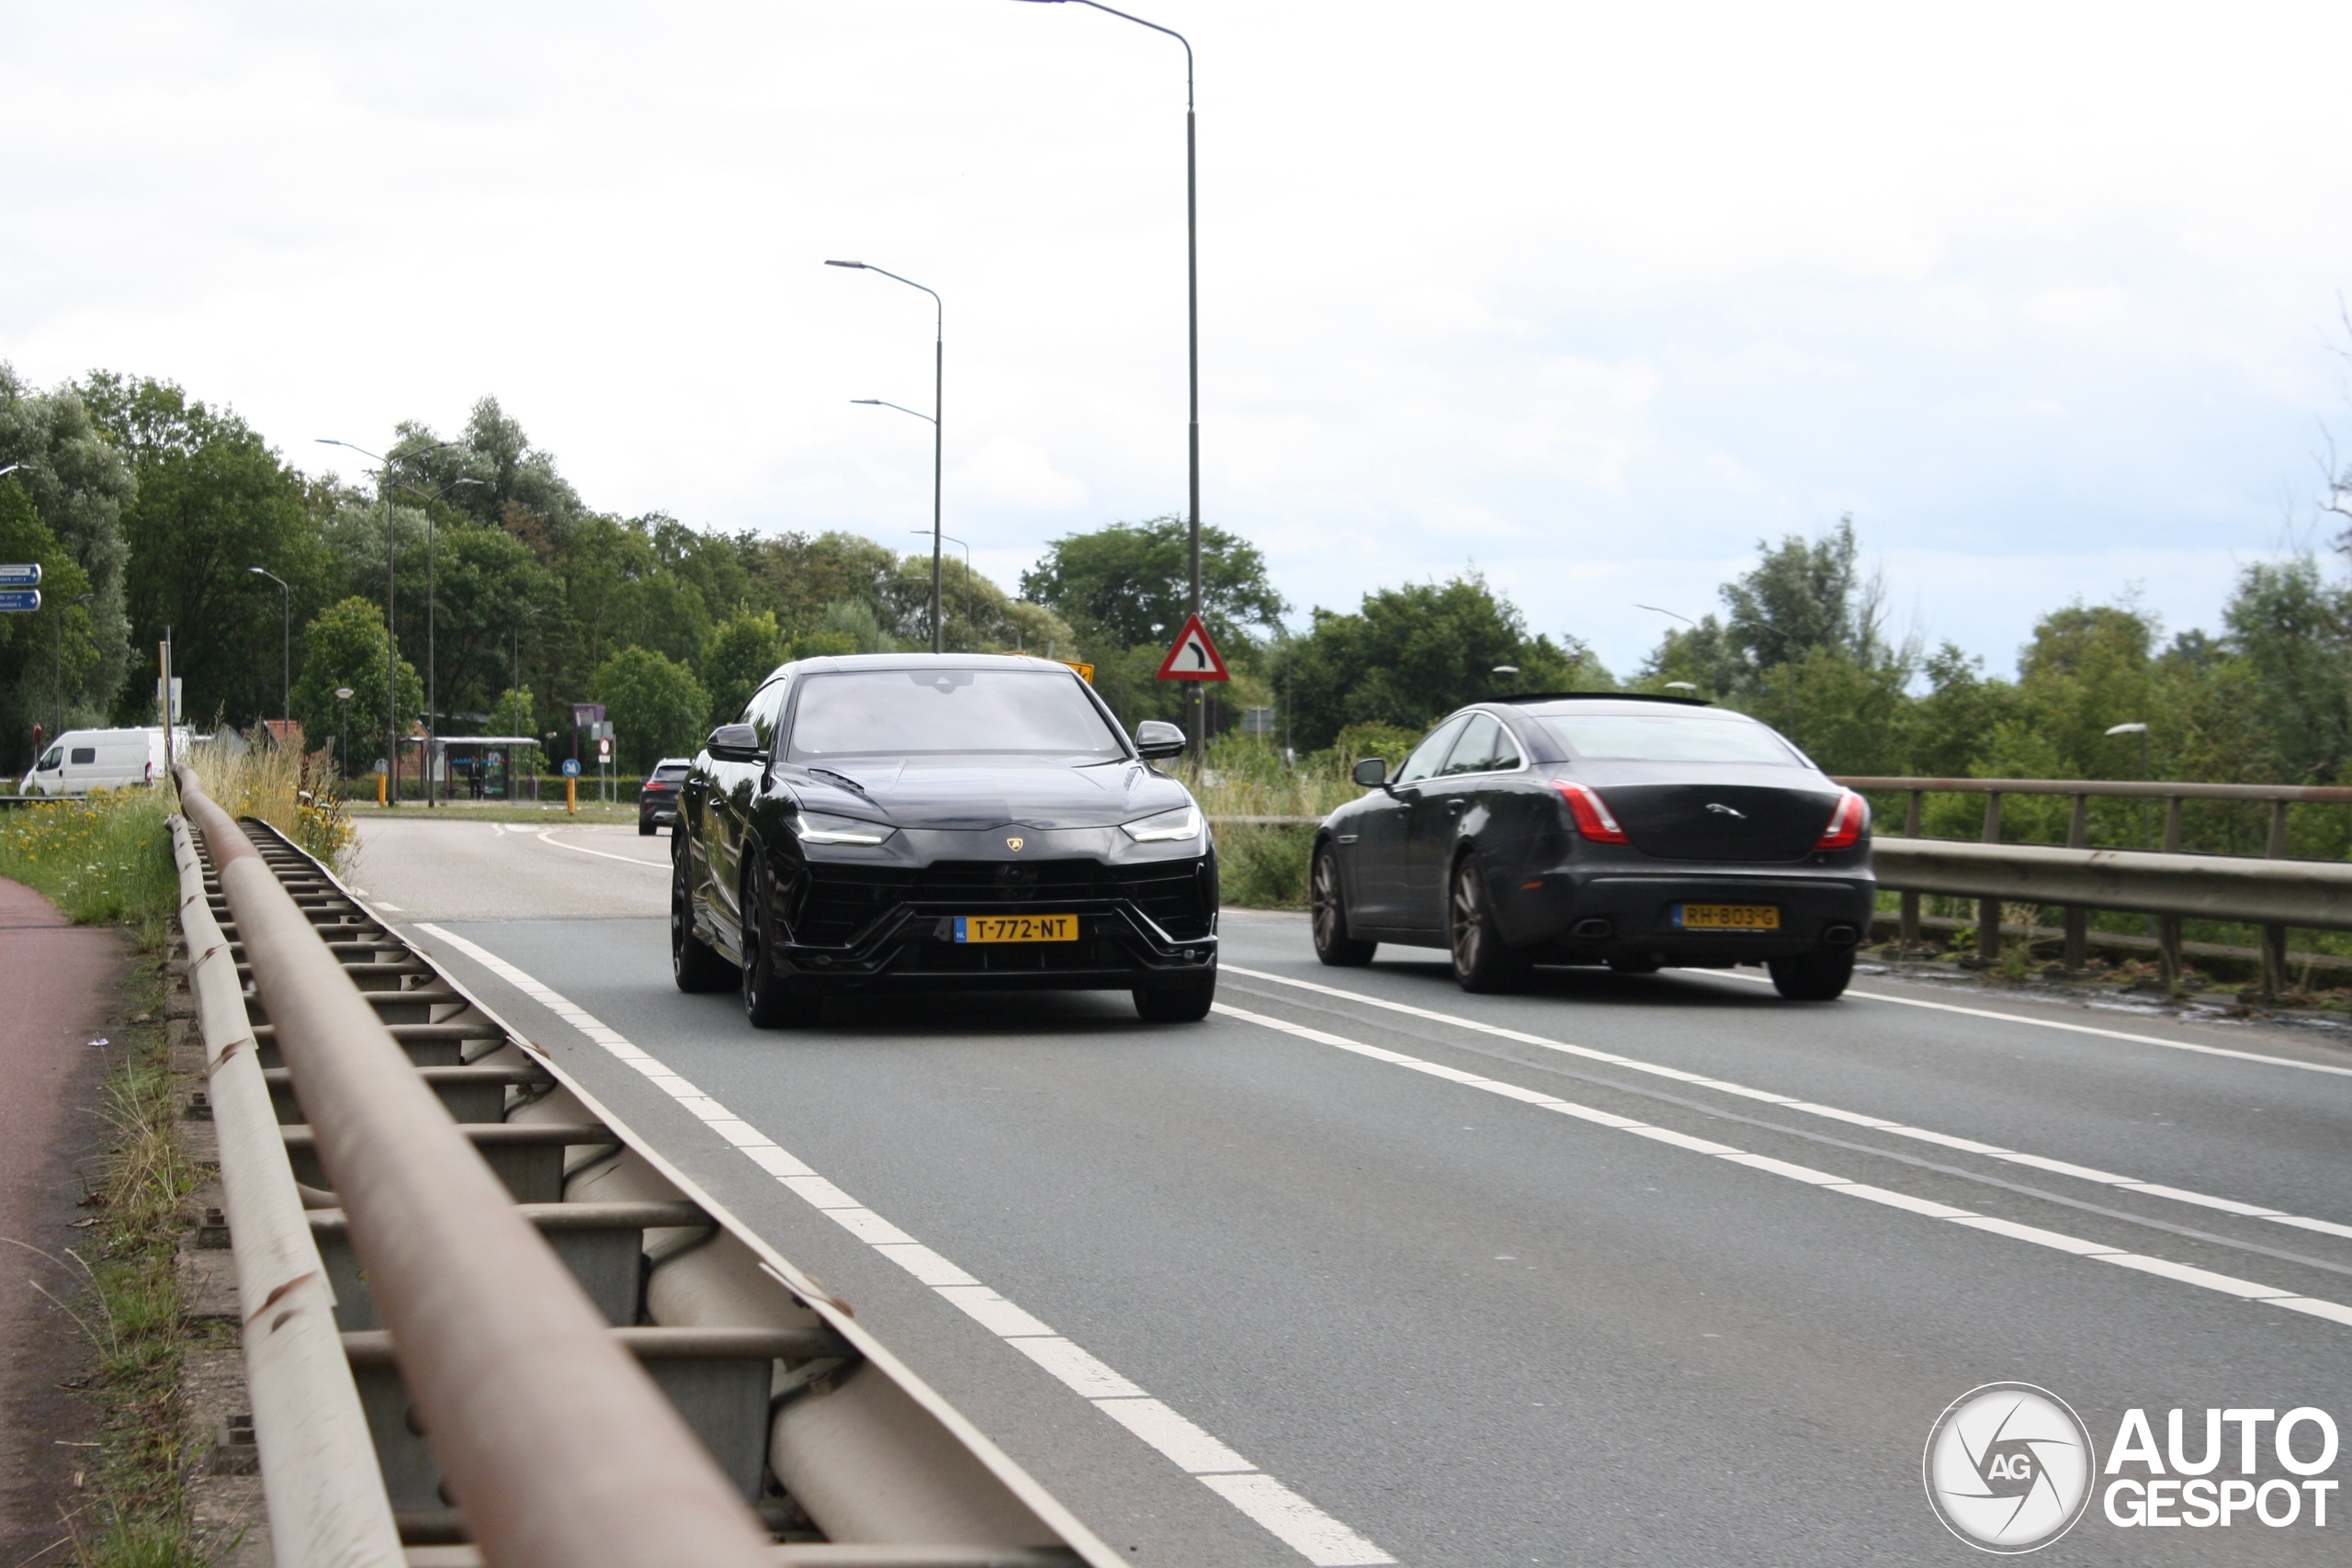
column 939, row 713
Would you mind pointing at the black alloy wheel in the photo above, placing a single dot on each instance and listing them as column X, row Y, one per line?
column 1328, row 912
column 768, row 1000
column 1812, row 976
column 694, row 963
column 1482, row 962
column 645, row 827
column 1181, row 1001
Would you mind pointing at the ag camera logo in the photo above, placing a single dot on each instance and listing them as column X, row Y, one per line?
column 2010, row 1467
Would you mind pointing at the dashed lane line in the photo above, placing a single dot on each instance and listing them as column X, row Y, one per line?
column 2245, row 1290
column 1282, row 1513
column 1830, row 1112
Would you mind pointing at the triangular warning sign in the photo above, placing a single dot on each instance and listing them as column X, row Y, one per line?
column 1194, row 656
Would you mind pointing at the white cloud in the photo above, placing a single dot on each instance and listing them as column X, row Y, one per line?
column 1599, row 295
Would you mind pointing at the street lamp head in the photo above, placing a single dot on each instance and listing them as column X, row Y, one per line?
column 342, row 694
column 860, row 265
column 2133, row 728
column 869, row 402
column 257, row 572
column 1681, row 685
column 1505, row 669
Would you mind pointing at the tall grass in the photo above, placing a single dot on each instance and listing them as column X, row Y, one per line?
column 1264, row 866
column 297, row 793
column 101, row 857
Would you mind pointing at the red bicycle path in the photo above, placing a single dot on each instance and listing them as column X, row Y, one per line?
column 61, row 987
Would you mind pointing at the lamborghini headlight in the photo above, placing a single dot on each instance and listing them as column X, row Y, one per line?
column 1168, row 826
column 822, row 827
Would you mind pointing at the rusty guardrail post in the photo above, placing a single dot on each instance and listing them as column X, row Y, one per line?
column 561, row 1451
column 1907, row 938
column 2274, row 937
column 2169, row 926
column 2078, row 918
column 1988, row 911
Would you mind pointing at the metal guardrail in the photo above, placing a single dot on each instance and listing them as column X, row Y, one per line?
column 758, row 1369
column 324, row 1501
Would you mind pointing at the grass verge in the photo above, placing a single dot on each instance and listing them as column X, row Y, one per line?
column 135, row 1509
column 106, row 859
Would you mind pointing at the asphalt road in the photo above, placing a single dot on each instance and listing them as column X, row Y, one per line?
column 1621, row 1270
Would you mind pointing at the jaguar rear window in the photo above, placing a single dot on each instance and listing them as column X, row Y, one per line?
column 1669, row 738
column 941, row 713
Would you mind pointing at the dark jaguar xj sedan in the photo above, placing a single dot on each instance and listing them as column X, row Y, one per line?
column 1633, row 832
column 939, row 822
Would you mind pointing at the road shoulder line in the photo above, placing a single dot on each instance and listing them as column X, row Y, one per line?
column 2229, row 1285
column 1289, row 1517
column 1831, row 1112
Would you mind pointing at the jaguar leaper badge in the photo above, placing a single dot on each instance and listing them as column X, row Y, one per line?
column 1014, row 844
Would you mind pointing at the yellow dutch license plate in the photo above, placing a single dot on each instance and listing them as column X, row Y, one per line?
column 1727, row 917
column 1016, row 928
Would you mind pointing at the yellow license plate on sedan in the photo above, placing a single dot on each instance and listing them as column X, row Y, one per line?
column 1016, row 928
column 1727, row 917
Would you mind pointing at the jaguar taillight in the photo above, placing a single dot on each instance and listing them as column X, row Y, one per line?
column 1846, row 824
column 1591, row 814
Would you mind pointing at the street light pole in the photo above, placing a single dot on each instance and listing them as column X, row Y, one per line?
column 1193, row 328
column 286, row 651
column 342, row 747
column 384, row 485
column 938, row 384
column 432, row 616
column 971, row 628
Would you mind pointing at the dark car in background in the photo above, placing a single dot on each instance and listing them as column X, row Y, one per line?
column 1633, row 832
column 657, row 797
column 939, row 822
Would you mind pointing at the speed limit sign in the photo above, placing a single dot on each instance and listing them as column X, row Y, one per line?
column 604, row 750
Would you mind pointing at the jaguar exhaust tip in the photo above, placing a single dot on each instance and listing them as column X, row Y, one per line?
column 1841, row 936
column 1593, row 930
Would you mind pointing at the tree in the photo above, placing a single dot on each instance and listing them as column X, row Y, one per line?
column 346, row 645
column 514, row 712
column 737, row 658
column 41, row 654
column 1413, row 654
column 78, row 485
column 1802, row 598
column 655, row 706
column 212, row 502
column 1130, row 584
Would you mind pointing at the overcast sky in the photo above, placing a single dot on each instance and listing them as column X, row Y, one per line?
column 1588, row 297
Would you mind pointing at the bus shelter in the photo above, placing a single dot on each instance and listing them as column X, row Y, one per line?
column 484, row 767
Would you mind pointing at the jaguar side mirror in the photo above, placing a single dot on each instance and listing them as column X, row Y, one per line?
column 733, row 743
column 1158, row 738
column 1371, row 773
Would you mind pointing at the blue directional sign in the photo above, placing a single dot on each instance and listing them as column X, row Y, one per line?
column 19, row 599
column 20, row 576
column 571, row 767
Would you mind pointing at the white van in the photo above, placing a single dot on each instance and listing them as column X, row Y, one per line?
column 85, row 759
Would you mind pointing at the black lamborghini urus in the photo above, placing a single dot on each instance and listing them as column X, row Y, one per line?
column 1637, row 832
column 939, row 822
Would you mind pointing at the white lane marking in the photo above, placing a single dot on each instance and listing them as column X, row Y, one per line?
column 2068, row 1028
column 549, row 836
column 1789, row 1102
column 1299, row 1524
column 395, row 908
column 2227, row 1284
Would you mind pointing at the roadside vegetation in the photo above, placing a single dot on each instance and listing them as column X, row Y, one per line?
column 135, row 1506
column 106, row 859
